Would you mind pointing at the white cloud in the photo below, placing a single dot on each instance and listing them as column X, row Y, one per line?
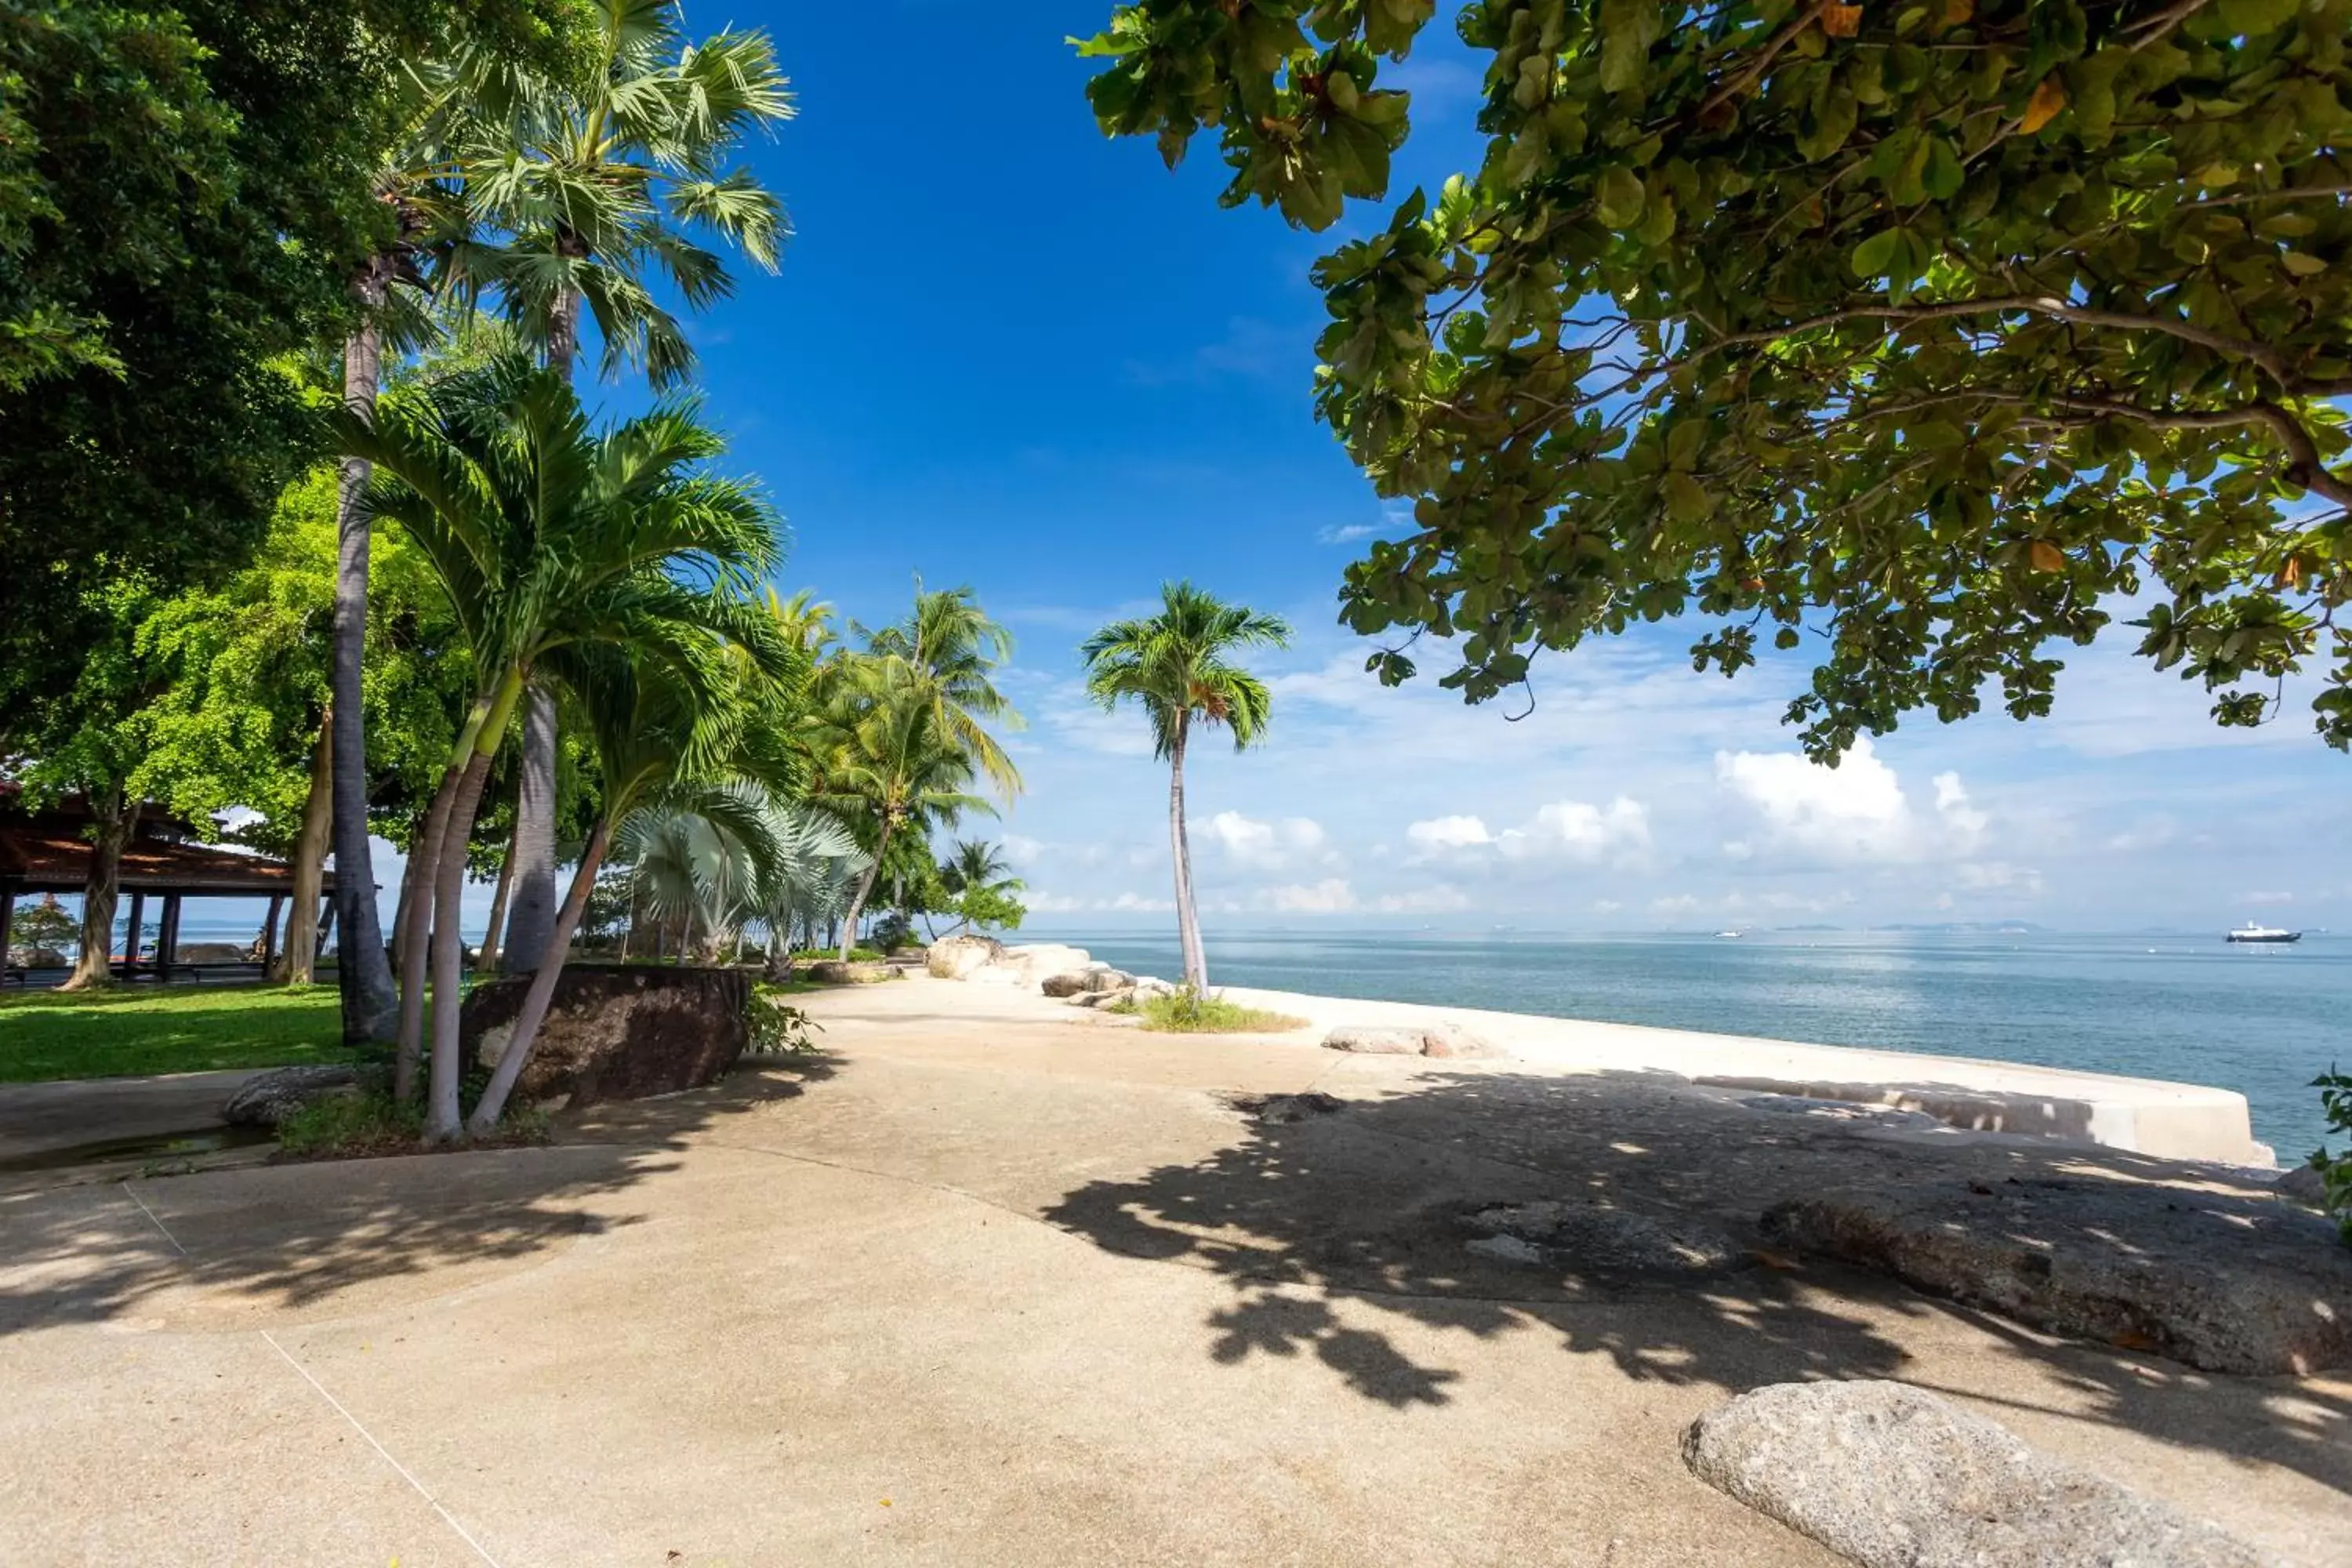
column 1444, row 833
column 1855, row 811
column 1136, row 903
column 1020, row 851
column 1331, row 896
column 1999, row 875
column 1570, row 830
column 1293, row 841
column 1439, row 899
column 2266, row 897
column 1348, row 533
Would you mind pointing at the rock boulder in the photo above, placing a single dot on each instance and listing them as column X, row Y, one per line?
column 2229, row 1284
column 267, row 1099
column 956, row 957
column 1449, row 1040
column 616, row 1031
column 1891, row 1477
column 1027, row 967
column 855, row 972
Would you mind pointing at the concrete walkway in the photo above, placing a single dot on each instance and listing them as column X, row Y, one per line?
column 997, row 1281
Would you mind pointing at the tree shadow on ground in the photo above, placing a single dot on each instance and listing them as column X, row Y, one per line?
column 293, row 1235
column 1321, row 1215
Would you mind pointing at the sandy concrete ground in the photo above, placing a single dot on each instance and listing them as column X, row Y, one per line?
column 998, row 1282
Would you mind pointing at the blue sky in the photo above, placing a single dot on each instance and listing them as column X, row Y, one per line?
column 1003, row 351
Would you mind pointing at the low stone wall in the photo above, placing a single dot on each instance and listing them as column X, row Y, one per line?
column 616, row 1031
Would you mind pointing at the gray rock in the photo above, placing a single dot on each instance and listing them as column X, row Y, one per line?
column 267, row 1099
column 1595, row 1239
column 2226, row 1283
column 1895, row 1477
column 1108, row 979
column 1284, row 1109
column 2305, row 1186
column 1072, row 984
column 1449, row 1040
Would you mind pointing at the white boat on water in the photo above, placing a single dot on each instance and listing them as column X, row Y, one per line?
column 1730, row 935
column 2250, row 931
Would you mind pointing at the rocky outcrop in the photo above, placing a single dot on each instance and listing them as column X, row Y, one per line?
column 38, row 958
column 854, row 972
column 2229, row 1284
column 956, row 957
column 616, row 1031
column 1027, row 967
column 267, row 1099
column 1098, row 981
column 1891, row 1477
column 213, row 952
column 1408, row 1041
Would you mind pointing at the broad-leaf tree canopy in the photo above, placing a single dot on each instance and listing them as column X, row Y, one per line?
column 1921, row 333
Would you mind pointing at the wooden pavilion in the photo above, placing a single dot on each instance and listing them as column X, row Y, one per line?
column 48, row 851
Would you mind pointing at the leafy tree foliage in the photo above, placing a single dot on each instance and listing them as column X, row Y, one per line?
column 1919, row 334
column 183, row 190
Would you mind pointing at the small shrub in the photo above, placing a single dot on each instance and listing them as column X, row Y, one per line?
column 373, row 1124
column 779, row 1028
column 2336, row 1171
column 1188, row 1012
column 857, row 955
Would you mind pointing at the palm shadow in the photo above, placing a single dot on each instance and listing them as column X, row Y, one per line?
column 292, row 1236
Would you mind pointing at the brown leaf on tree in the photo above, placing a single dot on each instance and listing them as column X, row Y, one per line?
column 2049, row 97
column 1841, row 21
column 1958, row 12
column 2046, row 556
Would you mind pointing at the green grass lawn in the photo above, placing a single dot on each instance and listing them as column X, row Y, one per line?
column 51, row 1034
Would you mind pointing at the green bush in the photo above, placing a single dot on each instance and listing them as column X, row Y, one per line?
column 821, row 954
column 777, row 1027
column 2336, row 1171
column 1188, row 1012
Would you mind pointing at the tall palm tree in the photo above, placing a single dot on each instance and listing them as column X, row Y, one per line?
column 1178, row 664
column 956, row 651
column 426, row 212
column 547, row 535
column 883, row 753
column 602, row 180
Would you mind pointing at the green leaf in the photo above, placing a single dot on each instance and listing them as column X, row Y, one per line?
column 1620, row 196
column 1871, row 256
column 1944, row 176
column 1628, row 29
column 1688, row 501
column 2303, row 264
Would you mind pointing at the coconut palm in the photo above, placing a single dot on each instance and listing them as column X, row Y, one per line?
column 547, row 535
column 883, row 753
column 953, row 644
column 603, row 181
column 1178, row 664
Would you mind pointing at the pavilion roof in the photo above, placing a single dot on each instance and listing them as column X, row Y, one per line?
column 44, row 852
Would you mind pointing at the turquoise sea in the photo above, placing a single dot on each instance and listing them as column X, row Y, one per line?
column 2260, row 1020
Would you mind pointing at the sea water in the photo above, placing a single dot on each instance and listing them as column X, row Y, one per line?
column 2260, row 1020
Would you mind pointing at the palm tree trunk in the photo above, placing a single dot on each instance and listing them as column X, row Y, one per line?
column 865, row 886
column 531, row 915
column 488, row 963
column 417, row 924
column 516, row 1055
column 442, row 1121
column 371, row 1005
column 112, row 822
column 295, row 964
column 1188, row 919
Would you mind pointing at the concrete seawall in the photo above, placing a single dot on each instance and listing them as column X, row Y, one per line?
column 2148, row 1116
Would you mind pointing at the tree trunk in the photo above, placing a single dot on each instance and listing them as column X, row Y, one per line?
column 371, row 1005
column 865, row 886
column 1188, row 921
column 516, row 1055
column 442, row 1120
column 488, row 961
column 296, row 963
column 114, row 820
column 531, row 915
column 416, row 923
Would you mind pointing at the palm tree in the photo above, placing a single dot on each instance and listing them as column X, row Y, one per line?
column 976, row 867
column 952, row 644
column 547, row 536
column 426, row 211
column 602, row 180
column 1178, row 665
column 883, row 752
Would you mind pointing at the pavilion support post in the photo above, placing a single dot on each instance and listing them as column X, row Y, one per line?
column 167, row 945
column 270, row 935
column 131, row 943
column 326, row 927
column 7, row 920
